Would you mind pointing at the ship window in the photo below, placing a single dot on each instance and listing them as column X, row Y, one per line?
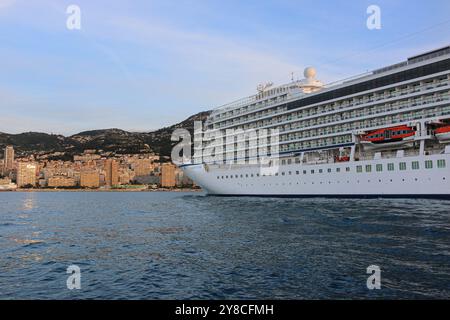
column 282, row 173
column 415, row 165
column 379, row 167
column 242, row 176
column 429, row 164
column 304, row 171
column 312, row 171
column 289, row 161
column 320, row 170
column 290, row 172
column 251, row 175
column 246, row 175
column 297, row 172
column 441, row 163
column 347, row 169
column 297, row 160
column 359, row 169
column 402, row 165
column 283, row 162
column 227, row 177
column 368, row 168
column 338, row 169
column 390, row 167
column 329, row 170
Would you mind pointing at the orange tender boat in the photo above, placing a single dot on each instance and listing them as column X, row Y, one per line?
column 387, row 135
column 443, row 133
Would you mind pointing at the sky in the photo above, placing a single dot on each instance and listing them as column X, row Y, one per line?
column 142, row 65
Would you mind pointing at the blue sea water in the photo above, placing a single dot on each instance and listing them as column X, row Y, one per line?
column 151, row 245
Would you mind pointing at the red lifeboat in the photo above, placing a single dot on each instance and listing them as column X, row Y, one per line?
column 341, row 158
column 443, row 133
column 389, row 138
column 386, row 135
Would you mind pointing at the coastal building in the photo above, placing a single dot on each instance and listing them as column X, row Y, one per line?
column 5, row 181
column 111, row 172
column 143, row 167
column 90, row 179
column 26, row 174
column 168, row 178
column 7, row 185
column 86, row 157
column 8, row 161
column 61, row 182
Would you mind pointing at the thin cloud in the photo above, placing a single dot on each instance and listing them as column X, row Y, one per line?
column 6, row 3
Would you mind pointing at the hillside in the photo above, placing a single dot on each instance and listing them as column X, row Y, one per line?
column 106, row 140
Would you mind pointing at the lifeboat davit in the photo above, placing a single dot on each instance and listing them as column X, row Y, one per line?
column 400, row 136
column 443, row 133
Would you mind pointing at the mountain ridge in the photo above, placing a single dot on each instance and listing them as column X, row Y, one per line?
column 112, row 140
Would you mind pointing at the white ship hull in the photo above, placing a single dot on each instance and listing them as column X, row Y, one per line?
column 422, row 182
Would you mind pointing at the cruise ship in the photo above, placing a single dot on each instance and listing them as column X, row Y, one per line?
column 385, row 133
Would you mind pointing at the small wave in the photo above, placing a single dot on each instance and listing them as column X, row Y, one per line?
column 28, row 242
column 166, row 230
column 7, row 224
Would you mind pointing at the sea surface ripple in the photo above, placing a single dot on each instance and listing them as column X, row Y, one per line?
column 164, row 245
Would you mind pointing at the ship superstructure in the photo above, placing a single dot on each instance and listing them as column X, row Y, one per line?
column 386, row 132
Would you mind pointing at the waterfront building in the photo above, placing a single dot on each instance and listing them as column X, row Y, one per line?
column 142, row 167
column 111, row 172
column 90, row 179
column 26, row 174
column 8, row 160
column 86, row 157
column 168, row 179
column 7, row 185
column 61, row 182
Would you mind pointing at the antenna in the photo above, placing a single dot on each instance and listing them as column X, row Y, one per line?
column 292, row 76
